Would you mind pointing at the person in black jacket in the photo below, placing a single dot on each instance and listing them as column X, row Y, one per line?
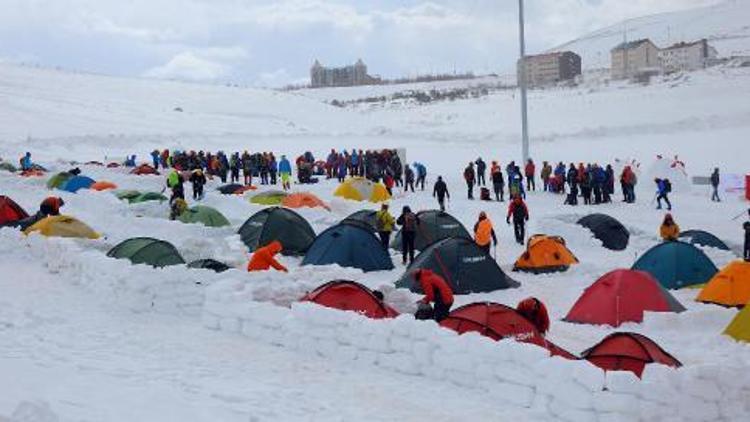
column 481, row 169
column 520, row 214
column 715, row 180
column 198, row 180
column 470, row 177
column 746, row 226
column 409, row 223
column 498, row 183
column 440, row 191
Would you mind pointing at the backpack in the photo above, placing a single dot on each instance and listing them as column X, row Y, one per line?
column 484, row 194
column 667, row 186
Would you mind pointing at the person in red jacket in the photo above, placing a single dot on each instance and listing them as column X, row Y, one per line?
column 264, row 258
column 535, row 312
column 436, row 290
column 520, row 213
column 530, row 170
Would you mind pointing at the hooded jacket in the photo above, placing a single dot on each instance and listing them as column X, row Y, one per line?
column 432, row 284
column 264, row 258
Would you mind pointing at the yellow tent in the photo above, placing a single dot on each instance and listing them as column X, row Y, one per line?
column 361, row 189
column 62, row 226
column 739, row 328
column 729, row 287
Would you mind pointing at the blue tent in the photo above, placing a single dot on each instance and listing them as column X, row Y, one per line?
column 76, row 183
column 703, row 238
column 676, row 265
column 348, row 245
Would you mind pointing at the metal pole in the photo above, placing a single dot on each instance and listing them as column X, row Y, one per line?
column 522, row 85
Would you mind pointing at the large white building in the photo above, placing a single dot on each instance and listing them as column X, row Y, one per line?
column 687, row 56
column 634, row 58
column 356, row 74
column 550, row 68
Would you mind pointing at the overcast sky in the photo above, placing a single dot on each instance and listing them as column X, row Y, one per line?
column 274, row 42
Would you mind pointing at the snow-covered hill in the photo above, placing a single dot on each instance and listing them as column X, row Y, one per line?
column 726, row 25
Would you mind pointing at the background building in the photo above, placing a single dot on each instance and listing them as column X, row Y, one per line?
column 550, row 68
column 352, row 75
column 687, row 56
column 632, row 58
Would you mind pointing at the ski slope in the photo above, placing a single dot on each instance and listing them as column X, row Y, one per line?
column 726, row 25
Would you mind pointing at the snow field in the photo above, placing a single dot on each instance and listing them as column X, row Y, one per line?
column 516, row 374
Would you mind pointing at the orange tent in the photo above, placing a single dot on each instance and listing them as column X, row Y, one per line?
column 304, row 199
column 729, row 287
column 545, row 254
column 100, row 186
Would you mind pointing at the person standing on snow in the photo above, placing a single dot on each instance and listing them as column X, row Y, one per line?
column 285, row 169
column 421, row 174
column 198, row 180
column 384, row 223
column 470, row 178
column 520, row 213
column 440, row 191
column 545, row 175
column 409, row 223
column 155, row 158
column 481, row 169
column 484, row 233
column 663, row 187
column 175, row 183
column 408, row 179
column 715, row 181
column 746, row 227
column 669, row 230
column 530, row 170
column 264, row 258
column 498, row 181
column 436, row 290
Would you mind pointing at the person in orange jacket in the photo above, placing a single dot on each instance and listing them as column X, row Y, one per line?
column 436, row 290
column 669, row 230
column 263, row 258
column 484, row 233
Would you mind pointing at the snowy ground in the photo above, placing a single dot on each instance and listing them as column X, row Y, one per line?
column 99, row 339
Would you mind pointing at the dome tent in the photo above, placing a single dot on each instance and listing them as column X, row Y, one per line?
column 144, row 169
column 676, row 265
column 361, row 189
column 209, row 264
column 498, row 322
column 272, row 197
column 276, row 223
column 739, row 328
column 628, row 352
column 350, row 296
column 303, row 200
column 622, row 296
column 76, row 183
column 613, row 235
column 433, row 226
column 127, row 194
column 466, row 267
column 103, row 185
column 62, row 226
column 366, row 217
column 201, row 214
column 545, row 254
column 703, row 238
column 147, row 250
column 10, row 211
column 234, row 189
column 348, row 245
column 146, row 197
column 59, row 179
column 729, row 287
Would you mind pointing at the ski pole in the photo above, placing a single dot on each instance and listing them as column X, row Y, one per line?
column 740, row 215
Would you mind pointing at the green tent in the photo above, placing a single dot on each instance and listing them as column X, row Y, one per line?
column 282, row 224
column 273, row 197
column 147, row 196
column 58, row 180
column 127, row 194
column 147, row 250
column 209, row 264
column 205, row 215
column 8, row 167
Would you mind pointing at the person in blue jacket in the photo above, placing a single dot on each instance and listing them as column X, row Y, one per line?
column 155, row 158
column 663, row 187
column 26, row 163
column 285, row 170
column 354, row 163
column 421, row 174
column 130, row 161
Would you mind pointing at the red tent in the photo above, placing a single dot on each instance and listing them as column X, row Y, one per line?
column 10, row 212
column 113, row 165
column 628, row 352
column 144, row 169
column 498, row 322
column 350, row 296
column 622, row 296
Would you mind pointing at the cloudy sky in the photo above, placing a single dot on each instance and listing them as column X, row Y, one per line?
column 274, row 42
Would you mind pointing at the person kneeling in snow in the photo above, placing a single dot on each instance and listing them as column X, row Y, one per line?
column 535, row 312
column 263, row 258
column 669, row 230
column 178, row 207
column 436, row 290
column 50, row 206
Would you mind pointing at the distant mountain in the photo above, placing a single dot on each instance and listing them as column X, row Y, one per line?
column 726, row 25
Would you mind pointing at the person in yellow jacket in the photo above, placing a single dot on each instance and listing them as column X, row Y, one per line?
column 484, row 233
column 669, row 230
column 384, row 223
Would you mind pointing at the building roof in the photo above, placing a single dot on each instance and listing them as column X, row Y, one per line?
column 550, row 54
column 632, row 44
column 683, row 44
